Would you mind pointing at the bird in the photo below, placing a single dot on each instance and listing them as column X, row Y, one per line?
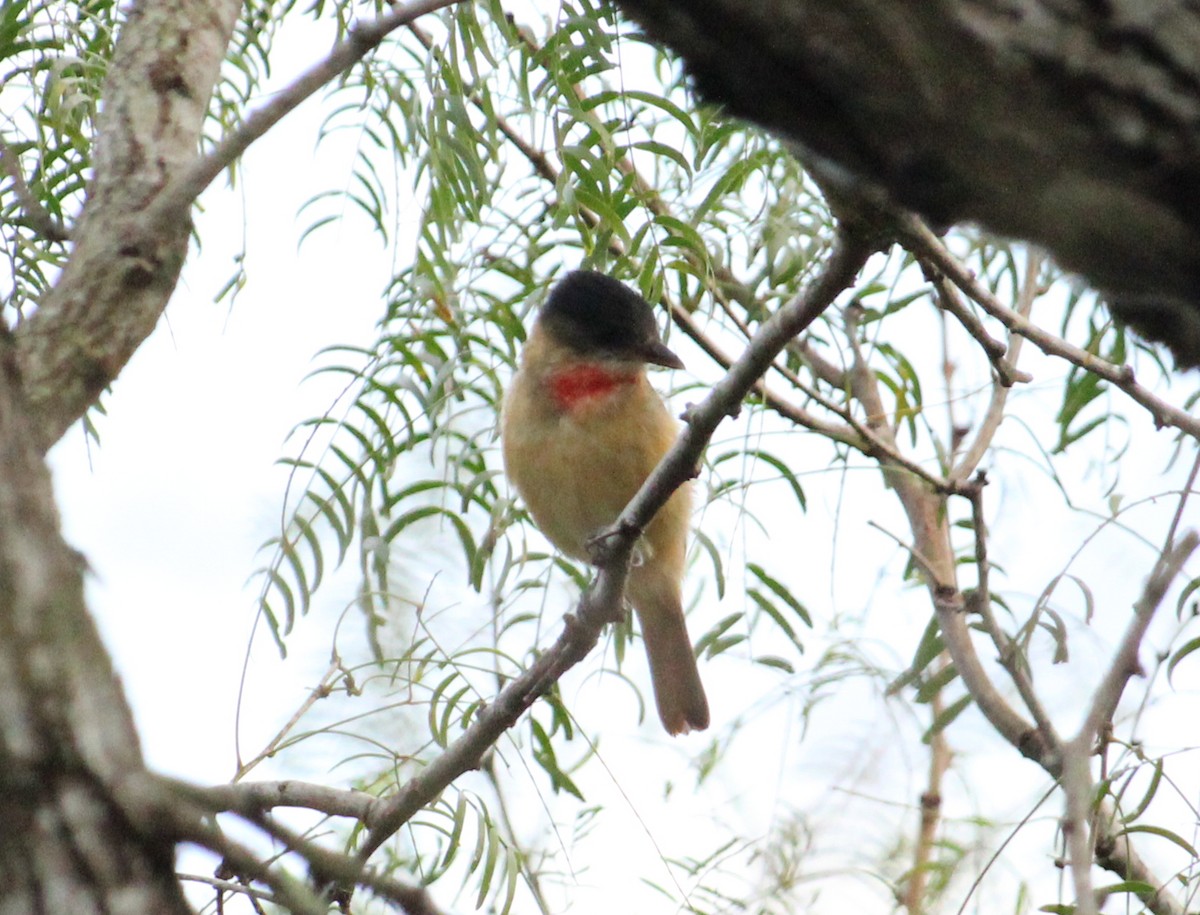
column 581, row 429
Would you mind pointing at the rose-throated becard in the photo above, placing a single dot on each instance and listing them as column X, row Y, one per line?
column 582, row 429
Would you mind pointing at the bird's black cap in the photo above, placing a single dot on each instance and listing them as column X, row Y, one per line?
column 599, row 316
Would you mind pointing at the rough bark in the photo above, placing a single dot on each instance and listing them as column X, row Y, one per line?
column 70, row 841
column 127, row 256
column 66, row 736
column 1071, row 123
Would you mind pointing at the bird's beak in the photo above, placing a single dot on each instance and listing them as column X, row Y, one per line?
column 656, row 353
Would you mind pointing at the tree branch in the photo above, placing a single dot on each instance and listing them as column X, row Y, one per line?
column 363, row 38
column 132, row 235
column 996, row 352
column 1076, row 770
column 1011, row 658
column 995, row 409
column 917, row 237
column 260, row 797
column 125, row 265
column 1065, row 130
column 928, row 519
column 1125, row 662
column 603, row 600
column 66, row 732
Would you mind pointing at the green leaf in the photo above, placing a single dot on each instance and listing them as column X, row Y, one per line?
column 706, row 544
column 947, row 716
column 1184, row 596
column 543, row 754
column 1147, row 796
column 928, row 648
column 1162, row 833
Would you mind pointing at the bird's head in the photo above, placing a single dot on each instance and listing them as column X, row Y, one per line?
column 599, row 318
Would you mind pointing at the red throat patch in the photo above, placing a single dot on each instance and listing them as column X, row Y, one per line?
column 575, row 385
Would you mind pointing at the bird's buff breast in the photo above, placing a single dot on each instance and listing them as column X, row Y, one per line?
column 577, row 469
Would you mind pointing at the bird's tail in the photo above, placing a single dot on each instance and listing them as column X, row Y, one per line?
column 678, row 692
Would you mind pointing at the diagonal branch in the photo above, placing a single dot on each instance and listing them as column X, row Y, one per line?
column 1011, row 658
column 1125, row 662
column 124, row 265
column 927, row 516
column 995, row 409
column 995, row 350
column 1076, row 771
column 917, row 237
column 363, row 38
column 603, row 600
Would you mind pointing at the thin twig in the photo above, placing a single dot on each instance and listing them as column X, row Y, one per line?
column 321, row 691
column 363, row 38
column 931, row 805
column 770, row 398
column 1125, row 662
column 927, row 567
column 995, row 351
column 1011, row 658
column 1188, row 489
column 228, row 886
column 602, row 602
column 917, row 237
column 1076, row 769
column 289, row 892
column 994, row 414
column 191, row 806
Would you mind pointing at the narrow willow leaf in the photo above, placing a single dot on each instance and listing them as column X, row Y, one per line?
column 1148, row 796
column 705, row 543
column 1187, row 649
column 489, row 867
column 1162, row 833
column 943, row 721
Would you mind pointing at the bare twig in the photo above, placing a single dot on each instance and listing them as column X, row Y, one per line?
column 1125, row 662
column 928, row 519
column 773, row 400
column 1188, row 488
column 318, row 692
column 189, row 824
column 259, row 797
column 228, row 886
column 188, row 808
column 37, row 215
column 363, row 38
column 926, row 565
column 996, row 351
column 602, row 602
column 1076, row 770
column 995, row 411
column 917, row 237
column 931, row 806
column 1010, row 655
column 1076, row 780
column 826, row 371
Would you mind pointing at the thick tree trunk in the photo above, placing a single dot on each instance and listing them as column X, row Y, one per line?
column 1071, row 123
column 66, row 736
column 69, row 752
